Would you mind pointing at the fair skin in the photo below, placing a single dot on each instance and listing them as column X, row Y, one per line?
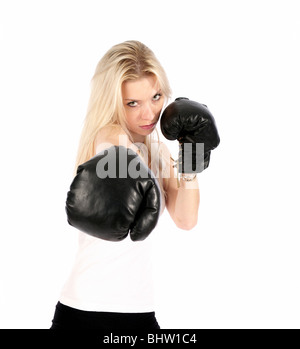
column 143, row 102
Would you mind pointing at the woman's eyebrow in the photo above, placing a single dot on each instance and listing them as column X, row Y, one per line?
column 138, row 100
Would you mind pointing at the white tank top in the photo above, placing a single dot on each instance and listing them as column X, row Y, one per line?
column 111, row 276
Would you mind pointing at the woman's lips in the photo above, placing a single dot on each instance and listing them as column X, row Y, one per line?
column 148, row 127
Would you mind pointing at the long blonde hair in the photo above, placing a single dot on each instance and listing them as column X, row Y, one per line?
column 129, row 60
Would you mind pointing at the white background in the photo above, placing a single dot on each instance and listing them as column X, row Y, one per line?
column 239, row 268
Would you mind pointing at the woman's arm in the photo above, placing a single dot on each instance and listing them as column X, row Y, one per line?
column 115, row 136
column 182, row 201
column 112, row 135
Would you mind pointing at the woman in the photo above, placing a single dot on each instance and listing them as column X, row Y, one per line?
column 110, row 285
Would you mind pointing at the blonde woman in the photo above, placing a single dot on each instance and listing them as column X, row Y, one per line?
column 124, row 179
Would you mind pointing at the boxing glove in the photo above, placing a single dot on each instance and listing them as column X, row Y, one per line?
column 114, row 194
column 192, row 124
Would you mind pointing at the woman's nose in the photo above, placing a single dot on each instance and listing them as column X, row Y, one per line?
column 148, row 112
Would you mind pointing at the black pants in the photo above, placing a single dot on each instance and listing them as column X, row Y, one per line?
column 67, row 318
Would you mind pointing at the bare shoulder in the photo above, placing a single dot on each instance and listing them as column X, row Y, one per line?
column 164, row 149
column 109, row 136
column 170, row 175
column 161, row 149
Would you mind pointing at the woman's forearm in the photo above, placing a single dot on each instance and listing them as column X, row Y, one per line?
column 187, row 204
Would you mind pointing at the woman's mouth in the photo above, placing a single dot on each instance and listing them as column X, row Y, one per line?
column 148, row 127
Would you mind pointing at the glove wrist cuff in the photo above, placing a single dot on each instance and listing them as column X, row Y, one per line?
column 188, row 177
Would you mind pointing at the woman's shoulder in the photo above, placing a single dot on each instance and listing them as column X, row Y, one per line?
column 160, row 148
column 160, row 154
column 110, row 132
column 110, row 135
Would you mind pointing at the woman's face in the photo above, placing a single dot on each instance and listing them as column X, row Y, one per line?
column 143, row 102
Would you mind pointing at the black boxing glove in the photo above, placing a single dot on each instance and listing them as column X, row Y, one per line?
column 192, row 124
column 114, row 194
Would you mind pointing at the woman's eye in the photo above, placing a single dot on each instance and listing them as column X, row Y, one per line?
column 132, row 104
column 157, row 97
